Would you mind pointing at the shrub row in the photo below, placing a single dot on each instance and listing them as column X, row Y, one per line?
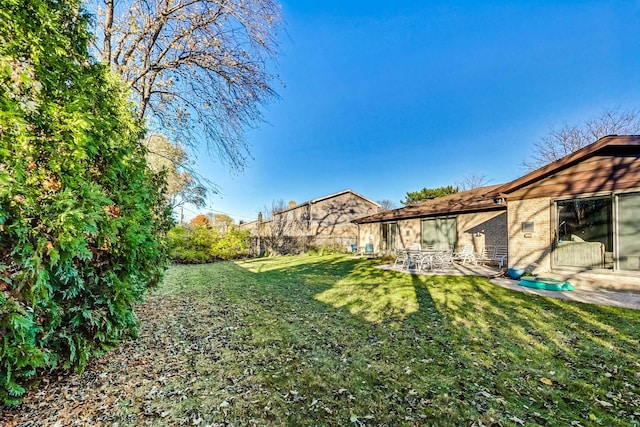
column 197, row 244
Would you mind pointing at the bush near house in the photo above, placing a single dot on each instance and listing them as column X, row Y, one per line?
column 82, row 219
column 199, row 244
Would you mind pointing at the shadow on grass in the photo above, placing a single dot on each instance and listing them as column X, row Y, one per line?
column 496, row 354
column 329, row 340
column 553, row 355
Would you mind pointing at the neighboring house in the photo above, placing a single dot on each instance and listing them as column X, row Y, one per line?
column 252, row 226
column 467, row 217
column 325, row 221
column 581, row 212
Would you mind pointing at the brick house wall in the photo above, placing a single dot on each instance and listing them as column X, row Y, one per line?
column 408, row 232
column 479, row 229
column 327, row 221
column 332, row 217
column 482, row 229
column 530, row 249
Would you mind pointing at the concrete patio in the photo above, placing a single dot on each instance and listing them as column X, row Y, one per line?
column 587, row 294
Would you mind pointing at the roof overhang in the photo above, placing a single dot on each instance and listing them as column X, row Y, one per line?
column 582, row 154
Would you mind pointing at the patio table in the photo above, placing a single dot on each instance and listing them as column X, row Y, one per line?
column 421, row 258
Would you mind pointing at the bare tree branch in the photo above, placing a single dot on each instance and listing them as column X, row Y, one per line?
column 199, row 69
column 471, row 181
column 569, row 138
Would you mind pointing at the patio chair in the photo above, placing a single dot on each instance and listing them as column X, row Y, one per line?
column 442, row 260
column 415, row 247
column 423, row 261
column 368, row 249
column 429, row 248
column 354, row 248
column 487, row 254
column 467, row 254
column 501, row 256
column 402, row 259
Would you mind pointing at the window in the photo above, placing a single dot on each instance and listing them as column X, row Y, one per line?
column 440, row 233
column 585, row 232
column 528, row 227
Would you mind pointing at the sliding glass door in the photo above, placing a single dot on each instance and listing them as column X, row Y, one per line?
column 599, row 232
column 585, row 232
column 389, row 236
column 629, row 232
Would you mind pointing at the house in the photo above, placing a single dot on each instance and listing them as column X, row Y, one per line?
column 467, row 217
column 324, row 221
column 577, row 217
column 579, row 213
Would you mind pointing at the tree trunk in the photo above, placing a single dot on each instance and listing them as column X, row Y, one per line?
column 108, row 28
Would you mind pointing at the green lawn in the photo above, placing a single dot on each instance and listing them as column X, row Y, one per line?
column 335, row 341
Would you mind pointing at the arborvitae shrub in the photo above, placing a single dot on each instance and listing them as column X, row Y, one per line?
column 82, row 219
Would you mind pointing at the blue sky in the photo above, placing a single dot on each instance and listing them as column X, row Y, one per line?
column 387, row 97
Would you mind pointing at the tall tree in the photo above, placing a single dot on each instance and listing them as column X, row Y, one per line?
column 198, row 69
column 414, row 197
column 222, row 222
column 559, row 142
column 201, row 220
column 82, row 218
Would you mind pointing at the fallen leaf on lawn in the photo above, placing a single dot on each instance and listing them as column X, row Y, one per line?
column 517, row 420
column 546, row 381
column 604, row 403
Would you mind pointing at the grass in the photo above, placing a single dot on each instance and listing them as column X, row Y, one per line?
column 329, row 340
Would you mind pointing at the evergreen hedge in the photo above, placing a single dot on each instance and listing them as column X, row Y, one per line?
column 82, row 219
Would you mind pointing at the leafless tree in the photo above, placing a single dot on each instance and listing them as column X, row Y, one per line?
column 278, row 227
column 569, row 138
column 198, row 69
column 471, row 181
column 385, row 205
